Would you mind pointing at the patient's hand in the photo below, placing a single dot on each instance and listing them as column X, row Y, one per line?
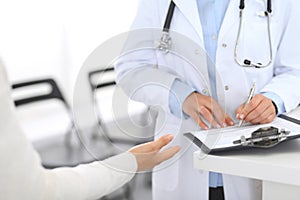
column 148, row 155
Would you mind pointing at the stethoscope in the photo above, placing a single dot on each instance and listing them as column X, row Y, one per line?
column 166, row 41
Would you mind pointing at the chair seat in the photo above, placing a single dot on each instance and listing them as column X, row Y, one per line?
column 125, row 131
column 41, row 121
column 56, row 152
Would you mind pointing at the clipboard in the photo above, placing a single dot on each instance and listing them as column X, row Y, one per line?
column 212, row 141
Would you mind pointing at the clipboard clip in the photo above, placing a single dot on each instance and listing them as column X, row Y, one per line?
column 264, row 137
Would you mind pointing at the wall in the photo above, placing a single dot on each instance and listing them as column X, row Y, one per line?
column 41, row 38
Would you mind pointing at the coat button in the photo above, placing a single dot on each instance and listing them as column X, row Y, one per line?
column 204, row 91
column 226, row 87
column 197, row 51
column 214, row 37
column 224, row 45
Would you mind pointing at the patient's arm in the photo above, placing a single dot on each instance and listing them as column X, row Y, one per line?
column 23, row 177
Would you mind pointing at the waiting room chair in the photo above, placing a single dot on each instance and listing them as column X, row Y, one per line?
column 130, row 126
column 59, row 149
column 134, row 125
column 65, row 149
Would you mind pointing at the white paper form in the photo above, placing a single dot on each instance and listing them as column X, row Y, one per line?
column 224, row 137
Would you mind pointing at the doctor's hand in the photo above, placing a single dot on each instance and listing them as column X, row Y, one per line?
column 260, row 110
column 148, row 155
column 197, row 105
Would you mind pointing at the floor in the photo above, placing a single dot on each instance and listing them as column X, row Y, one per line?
column 140, row 188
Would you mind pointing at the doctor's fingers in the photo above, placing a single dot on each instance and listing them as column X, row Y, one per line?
column 212, row 112
column 221, row 116
column 207, row 115
column 263, row 112
column 259, row 110
column 204, row 113
column 196, row 117
column 197, row 105
column 269, row 119
column 192, row 105
column 245, row 109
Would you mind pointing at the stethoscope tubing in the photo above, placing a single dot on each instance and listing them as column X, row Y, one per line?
column 165, row 42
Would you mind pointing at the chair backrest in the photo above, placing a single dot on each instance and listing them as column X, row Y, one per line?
column 102, row 83
column 100, row 79
column 135, row 118
column 33, row 93
column 54, row 92
column 105, row 81
column 57, row 148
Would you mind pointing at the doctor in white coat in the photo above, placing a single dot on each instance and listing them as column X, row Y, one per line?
column 148, row 75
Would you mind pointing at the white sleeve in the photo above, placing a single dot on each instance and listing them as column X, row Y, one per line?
column 23, row 177
column 137, row 69
column 91, row 181
column 286, row 82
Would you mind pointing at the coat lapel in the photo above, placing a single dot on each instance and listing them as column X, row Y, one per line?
column 189, row 9
column 231, row 17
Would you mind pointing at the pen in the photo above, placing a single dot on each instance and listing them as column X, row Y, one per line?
column 248, row 100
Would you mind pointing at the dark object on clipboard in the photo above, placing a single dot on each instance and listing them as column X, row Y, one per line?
column 262, row 138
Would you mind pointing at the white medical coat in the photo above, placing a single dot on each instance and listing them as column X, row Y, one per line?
column 147, row 75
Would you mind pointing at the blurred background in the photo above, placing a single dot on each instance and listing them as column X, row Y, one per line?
column 50, row 40
column 43, row 38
